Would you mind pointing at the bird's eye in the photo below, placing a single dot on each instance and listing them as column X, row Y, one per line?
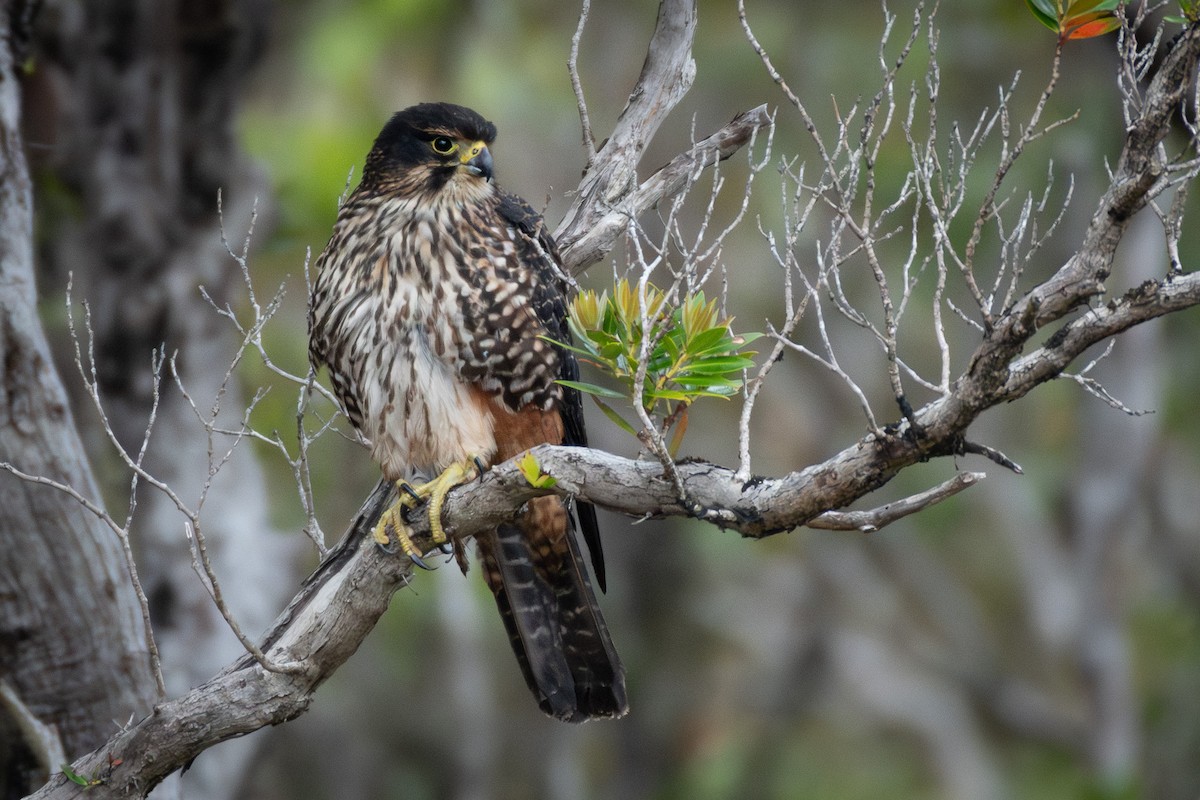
column 443, row 145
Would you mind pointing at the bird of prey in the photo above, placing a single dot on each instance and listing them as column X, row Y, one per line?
column 437, row 308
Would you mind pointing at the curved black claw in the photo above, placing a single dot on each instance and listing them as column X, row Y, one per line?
column 385, row 548
column 446, row 548
column 419, row 562
column 479, row 466
column 410, row 491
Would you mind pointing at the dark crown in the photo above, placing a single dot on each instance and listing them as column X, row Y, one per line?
column 401, row 143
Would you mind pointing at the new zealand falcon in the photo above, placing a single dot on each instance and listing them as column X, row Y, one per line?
column 434, row 307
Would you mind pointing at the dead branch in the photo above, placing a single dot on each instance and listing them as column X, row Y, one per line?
column 877, row 518
column 609, row 196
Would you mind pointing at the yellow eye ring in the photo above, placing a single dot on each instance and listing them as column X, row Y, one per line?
column 443, row 145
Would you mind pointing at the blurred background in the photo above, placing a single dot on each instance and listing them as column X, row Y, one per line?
column 1036, row 637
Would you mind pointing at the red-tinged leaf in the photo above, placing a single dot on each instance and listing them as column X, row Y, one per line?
column 1092, row 28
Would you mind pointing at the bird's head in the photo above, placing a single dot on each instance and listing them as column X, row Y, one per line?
column 432, row 146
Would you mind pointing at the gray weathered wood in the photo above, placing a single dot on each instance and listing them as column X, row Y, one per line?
column 70, row 629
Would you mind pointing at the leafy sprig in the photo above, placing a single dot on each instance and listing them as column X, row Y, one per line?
column 81, row 780
column 1077, row 19
column 531, row 469
column 690, row 352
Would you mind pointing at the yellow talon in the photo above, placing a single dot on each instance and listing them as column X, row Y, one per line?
column 435, row 490
column 393, row 518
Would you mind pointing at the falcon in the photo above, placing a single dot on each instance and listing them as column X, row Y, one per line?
column 438, row 308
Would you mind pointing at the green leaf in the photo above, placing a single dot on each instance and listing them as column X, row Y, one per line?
column 732, row 344
column 668, row 394
column 601, row 340
column 720, row 394
column 1045, row 13
column 587, row 352
column 696, row 315
column 707, row 381
column 720, row 365
column 73, row 776
column 586, row 307
column 1078, row 7
column 593, row 389
column 671, row 345
column 709, row 339
column 571, row 348
column 532, row 470
column 616, row 418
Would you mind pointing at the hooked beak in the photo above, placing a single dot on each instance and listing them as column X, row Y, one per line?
column 477, row 160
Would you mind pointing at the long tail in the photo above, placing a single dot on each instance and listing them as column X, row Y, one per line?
column 542, row 590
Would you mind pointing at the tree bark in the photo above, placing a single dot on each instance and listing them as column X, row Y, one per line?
column 135, row 108
column 73, row 641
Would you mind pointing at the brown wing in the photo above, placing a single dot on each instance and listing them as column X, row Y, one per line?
column 549, row 303
column 537, row 575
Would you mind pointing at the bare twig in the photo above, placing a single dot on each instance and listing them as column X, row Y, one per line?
column 88, row 376
column 585, row 123
column 878, row 518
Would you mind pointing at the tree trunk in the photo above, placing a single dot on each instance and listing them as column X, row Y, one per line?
column 73, row 643
column 134, row 103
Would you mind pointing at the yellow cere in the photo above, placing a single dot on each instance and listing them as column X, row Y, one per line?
column 472, row 150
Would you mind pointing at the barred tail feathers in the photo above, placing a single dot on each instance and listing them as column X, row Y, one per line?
column 554, row 624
